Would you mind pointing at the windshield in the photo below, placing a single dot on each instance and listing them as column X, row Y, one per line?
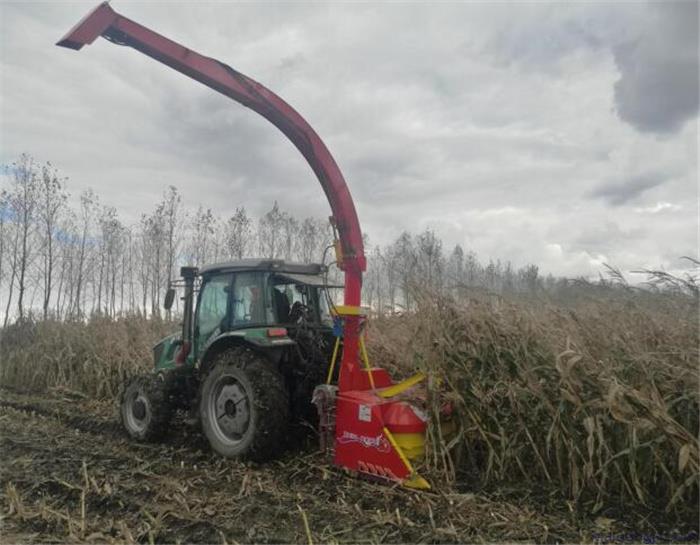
column 249, row 303
column 293, row 300
column 290, row 299
column 212, row 308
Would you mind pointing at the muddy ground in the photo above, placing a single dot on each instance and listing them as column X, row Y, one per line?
column 70, row 475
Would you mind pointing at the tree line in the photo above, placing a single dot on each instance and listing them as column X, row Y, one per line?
column 70, row 261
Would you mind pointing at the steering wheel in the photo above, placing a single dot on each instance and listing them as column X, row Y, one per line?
column 299, row 312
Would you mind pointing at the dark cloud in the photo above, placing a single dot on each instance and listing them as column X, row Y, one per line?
column 658, row 86
column 604, row 237
column 541, row 43
column 621, row 192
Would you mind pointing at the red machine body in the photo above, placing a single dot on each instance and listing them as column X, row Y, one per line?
column 366, row 429
column 364, row 441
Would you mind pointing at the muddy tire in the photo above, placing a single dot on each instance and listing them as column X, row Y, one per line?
column 144, row 408
column 244, row 406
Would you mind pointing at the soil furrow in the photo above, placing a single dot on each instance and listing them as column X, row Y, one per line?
column 70, row 474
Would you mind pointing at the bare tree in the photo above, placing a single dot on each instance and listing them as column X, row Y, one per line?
column 239, row 231
column 66, row 261
column 473, row 270
column 290, row 236
column 24, row 197
column 530, row 278
column 143, row 252
column 154, row 241
column 51, row 202
column 429, row 260
column 313, row 238
column 4, row 214
column 374, row 285
column 10, row 242
column 128, row 269
column 67, row 243
column 270, row 231
column 454, row 270
column 89, row 204
column 203, row 229
column 173, row 218
column 112, row 246
column 403, row 261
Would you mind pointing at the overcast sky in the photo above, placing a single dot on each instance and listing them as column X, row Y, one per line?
column 560, row 134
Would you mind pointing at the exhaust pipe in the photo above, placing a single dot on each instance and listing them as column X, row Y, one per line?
column 188, row 274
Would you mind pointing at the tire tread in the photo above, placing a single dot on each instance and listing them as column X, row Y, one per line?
column 270, row 399
column 157, row 392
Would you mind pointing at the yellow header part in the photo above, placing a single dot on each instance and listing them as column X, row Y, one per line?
column 415, row 480
column 402, row 386
column 348, row 310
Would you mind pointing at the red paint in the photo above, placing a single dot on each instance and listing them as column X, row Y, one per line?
column 380, row 376
column 183, row 353
column 401, row 417
column 360, row 442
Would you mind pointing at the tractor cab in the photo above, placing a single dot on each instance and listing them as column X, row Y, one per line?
column 263, row 303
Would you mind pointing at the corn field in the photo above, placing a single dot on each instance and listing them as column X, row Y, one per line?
column 597, row 400
column 590, row 401
column 91, row 357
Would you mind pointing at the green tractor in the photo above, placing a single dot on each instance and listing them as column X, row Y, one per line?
column 249, row 355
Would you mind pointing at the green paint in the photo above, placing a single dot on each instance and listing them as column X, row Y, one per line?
column 167, row 348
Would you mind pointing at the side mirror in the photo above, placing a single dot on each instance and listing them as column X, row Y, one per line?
column 169, row 298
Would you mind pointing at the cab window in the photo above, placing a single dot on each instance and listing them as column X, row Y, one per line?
column 212, row 308
column 289, row 298
column 249, row 302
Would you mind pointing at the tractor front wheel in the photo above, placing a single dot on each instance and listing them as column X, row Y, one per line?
column 144, row 407
column 244, row 406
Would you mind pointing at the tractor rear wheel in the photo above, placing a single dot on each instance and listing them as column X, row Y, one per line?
column 145, row 407
column 244, row 406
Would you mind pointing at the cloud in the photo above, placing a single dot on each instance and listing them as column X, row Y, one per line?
column 658, row 87
column 495, row 123
column 621, row 192
column 606, row 236
column 654, row 46
column 658, row 208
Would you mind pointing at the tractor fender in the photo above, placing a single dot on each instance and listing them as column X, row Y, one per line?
column 272, row 351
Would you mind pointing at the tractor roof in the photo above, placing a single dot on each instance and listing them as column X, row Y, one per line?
column 255, row 264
